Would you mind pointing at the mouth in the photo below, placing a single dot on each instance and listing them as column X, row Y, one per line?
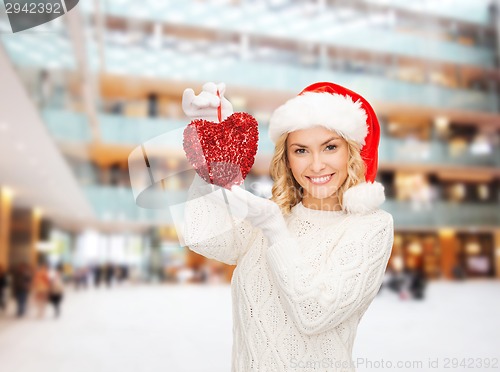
column 320, row 180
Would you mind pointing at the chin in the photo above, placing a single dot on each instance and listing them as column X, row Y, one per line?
column 322, row 194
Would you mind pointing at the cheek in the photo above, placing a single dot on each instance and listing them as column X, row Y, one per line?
column 344, row 166
column 295, row 166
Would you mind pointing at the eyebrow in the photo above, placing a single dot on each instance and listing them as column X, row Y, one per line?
column 324, row 143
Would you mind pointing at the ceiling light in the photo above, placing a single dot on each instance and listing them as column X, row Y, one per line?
column 446, row 233
column 393, row 126
column 37, row 212
column 481, row 145
column 441, row 123
column 7, row 192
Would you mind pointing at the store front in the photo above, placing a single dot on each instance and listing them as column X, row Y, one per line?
column 445, row 254
column 476, row 255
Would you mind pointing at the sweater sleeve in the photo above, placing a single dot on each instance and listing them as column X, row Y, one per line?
column 212, row 231
column 320, row 300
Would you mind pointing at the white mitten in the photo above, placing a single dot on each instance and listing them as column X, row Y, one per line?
column 262, row 213
column 205, row 105
column 218, row 196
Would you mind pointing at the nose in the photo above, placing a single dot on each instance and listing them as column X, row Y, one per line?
column 317, row 163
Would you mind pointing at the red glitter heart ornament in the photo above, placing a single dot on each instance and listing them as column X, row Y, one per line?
column 222, row 153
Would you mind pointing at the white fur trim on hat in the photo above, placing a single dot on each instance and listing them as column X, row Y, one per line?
column 363, row 197
column 333, row 111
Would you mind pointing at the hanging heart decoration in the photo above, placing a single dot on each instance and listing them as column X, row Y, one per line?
column 222, row 153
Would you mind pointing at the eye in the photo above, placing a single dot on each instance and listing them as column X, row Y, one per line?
column 331, row 147
column 300, row 151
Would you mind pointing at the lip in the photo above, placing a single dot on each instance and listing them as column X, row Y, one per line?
column 321, row 183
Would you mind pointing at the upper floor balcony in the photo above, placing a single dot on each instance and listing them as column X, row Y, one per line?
column 265, row 69
column 290, row 75
column 117, row 204
column 69, row 126
column 342, row 26
column 476, row 12
column 250, row 30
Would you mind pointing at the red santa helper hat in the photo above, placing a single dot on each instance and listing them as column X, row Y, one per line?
column 351, row 116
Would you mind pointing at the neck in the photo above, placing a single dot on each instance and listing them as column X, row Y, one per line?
column 327, row 204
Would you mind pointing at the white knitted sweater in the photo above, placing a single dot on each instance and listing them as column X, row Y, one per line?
column 296, row 304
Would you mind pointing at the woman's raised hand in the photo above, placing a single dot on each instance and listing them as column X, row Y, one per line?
column 205, row 105
column 262, row 213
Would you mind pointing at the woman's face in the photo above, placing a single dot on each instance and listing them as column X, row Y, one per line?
column 318, row 160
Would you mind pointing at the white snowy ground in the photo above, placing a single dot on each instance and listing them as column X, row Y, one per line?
column 188, row 328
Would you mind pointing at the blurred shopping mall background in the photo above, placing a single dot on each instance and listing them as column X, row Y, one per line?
column 79, row 94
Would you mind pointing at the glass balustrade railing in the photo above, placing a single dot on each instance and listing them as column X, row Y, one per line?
column 118, row 129
column 50, row 50
column 288, row 74
column 67, row 126
column 283, row 77
column 117, row 204
column 293, row 77
column 476, row 11
column 461, row 10
column 443, row 214
column 411, row 151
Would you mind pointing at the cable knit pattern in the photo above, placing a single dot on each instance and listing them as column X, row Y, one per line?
column 297, row 304
column 210, row 230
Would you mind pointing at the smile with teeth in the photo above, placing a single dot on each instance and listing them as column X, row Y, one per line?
column 320, row 180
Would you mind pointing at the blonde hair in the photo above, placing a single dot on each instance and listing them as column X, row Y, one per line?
column 287, row 192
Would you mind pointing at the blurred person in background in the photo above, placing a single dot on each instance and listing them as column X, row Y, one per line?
column 97, row 273
column 418, row 284
column 41, row 286
column 3, row 287
column 312, row 259
column 109, row 274
column 405, row 281
column 459, row 272
column 21, row 285
column 124, row 273
column 67, row 271
column 56, row 290
column 81, row 277
column 46, row 88
column 397, row 280
column 385, row 286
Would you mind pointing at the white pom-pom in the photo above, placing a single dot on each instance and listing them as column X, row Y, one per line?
column 363, row 197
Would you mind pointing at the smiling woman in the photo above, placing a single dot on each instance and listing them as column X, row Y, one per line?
column 322, row 168
column 310, row 260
